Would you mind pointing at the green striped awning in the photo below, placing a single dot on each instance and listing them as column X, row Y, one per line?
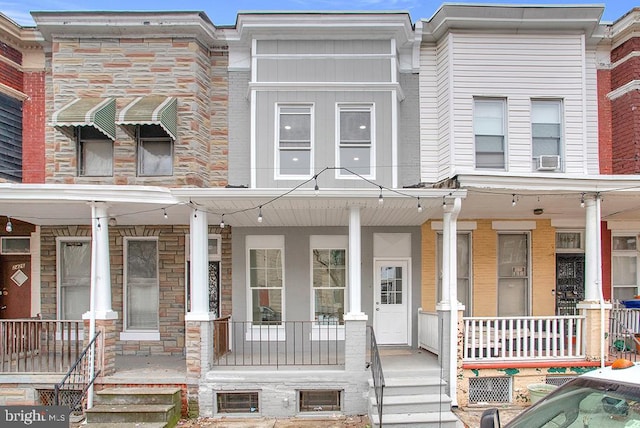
column 97, row 112
column 155, row 110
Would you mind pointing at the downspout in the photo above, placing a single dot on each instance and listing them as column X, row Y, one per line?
column 453, row 300
column 599, row 280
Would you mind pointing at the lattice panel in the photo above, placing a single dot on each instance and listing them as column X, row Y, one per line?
column 67, row 397
column 490, row 390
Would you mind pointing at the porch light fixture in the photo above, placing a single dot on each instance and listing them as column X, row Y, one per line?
column 513, row 200
column 113, row 222
column 444, row 203
column 222, row 221
column 9, row 227
column 164, row 211
column 380, row 198
column 582, row 201
column 260, row 214
column 419, row 206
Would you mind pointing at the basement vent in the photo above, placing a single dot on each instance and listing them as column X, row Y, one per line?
column 67, row 398
column 558, row 380
column 237, row 402
column 490, row 390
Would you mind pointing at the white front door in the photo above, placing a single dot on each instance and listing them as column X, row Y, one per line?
column 391, row 302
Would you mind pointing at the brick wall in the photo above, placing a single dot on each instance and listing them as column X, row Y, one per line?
column 10, row 74
column 127, row 68
column 543, row 269
column 605, row 139
column 33, row 124
column 172, row 276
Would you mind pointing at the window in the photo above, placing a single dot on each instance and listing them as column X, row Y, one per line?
column 320, row 400
column 489, row 130
column 513, row 274
column 266, row 279
column 463, row 263
column 569, row 241
column 96, row 152
column 329, row 283
column 295, row 131
column 624, row 267
column 74, row 278
column 155, row 151
column 16, row 245
column 237, row 402
column 546, row 127
column 141, row 284
column 10, row 138
column 355, row 144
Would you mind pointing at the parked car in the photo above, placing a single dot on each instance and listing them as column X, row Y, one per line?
column 602, row 398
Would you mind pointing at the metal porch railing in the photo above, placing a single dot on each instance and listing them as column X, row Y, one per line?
column 624, row 333
column 278, row 343
column 376, row 372
column 34, row 345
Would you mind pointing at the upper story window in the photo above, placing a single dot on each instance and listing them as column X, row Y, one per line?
column 489, row 131
column 546, row 130
column 294, row 141
column 355, row 140
column 96, row 152
column 155, row 151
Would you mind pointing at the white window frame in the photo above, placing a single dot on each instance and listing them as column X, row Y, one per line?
column 527, row 276
column 356, row 107
column 476, row 120
column 258, row 331
column 625, row 253
column 59, row 242
column 82, row 149
column 560, row 122
column 6, row 251
column 323, row 331
column 138, row 334
column 278, row 149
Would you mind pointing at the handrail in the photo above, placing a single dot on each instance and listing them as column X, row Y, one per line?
column 77, row 375
column 376, row 372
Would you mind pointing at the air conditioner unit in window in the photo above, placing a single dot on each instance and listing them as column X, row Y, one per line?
column 548, row 163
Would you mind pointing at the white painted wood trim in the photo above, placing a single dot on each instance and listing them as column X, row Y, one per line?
column 513, row 225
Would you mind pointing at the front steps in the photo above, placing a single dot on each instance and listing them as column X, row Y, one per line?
column 135, row 407
column 417, row 401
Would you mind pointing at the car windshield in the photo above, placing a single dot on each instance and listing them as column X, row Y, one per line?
column 585, row 403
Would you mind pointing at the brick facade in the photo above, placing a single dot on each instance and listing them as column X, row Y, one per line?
column 127, row 68
column 10, row 71
column 172, row 276
column 33, row 125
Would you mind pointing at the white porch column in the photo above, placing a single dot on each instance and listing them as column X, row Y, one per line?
column 199, row 250
column 592, row 263
column 355, row 274
column 101, row 266
column 450, row 265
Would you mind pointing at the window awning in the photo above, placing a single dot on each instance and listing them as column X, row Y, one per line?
column 99, row 113
column 155, row 110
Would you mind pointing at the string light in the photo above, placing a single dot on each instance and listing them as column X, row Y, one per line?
column 513, row 200
column 195, row 214
column 222, row 221
column 98, row 226
column 380, row 198
column 444, row 203
column 260, row 214
column 9, row 227
column 582, row 200
column 316, row 188
column 419, row 206
column 166, row 216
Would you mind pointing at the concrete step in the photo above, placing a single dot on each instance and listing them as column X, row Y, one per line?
column 119, row 413
column 413, row 420
column 410, row 386
column 138, row 395
column 418, row 403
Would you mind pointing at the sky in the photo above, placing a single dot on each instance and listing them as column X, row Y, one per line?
column 223, row 13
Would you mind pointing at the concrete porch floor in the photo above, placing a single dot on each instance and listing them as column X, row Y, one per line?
column 148, row 369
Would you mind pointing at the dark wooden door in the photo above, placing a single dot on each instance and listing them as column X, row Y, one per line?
column 15, row 288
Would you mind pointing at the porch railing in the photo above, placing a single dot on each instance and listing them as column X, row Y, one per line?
column 523, row 338
column 376, row 373
column 624, row 333
column 34, row 345
column 281, row 343
column 72, row 389
column 429, row 331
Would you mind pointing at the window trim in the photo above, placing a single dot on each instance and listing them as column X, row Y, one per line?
column 80, row 147
column 129, row 333
column 4, row 239
column 482, row 100
column 529, row 291
column 59, row 241
column 277, row 149
column 356, row 107
column 561, row 138
column 140, row 140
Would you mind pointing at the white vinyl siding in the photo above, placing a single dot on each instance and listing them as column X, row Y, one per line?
column 429, row 154
column 517, row 67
